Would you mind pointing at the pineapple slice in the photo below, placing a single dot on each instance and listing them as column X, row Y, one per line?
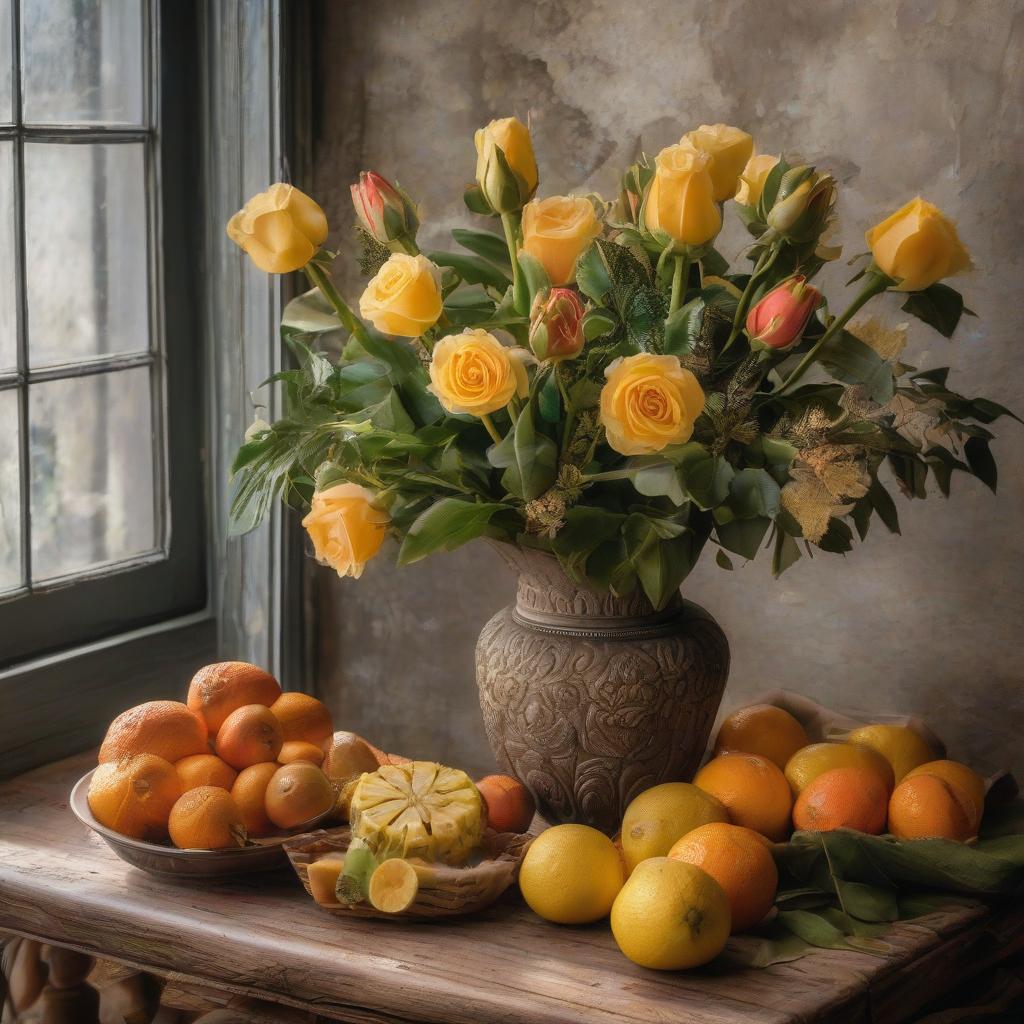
column 420, row 809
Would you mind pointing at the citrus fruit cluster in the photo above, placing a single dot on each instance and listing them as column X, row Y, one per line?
column 693, row 862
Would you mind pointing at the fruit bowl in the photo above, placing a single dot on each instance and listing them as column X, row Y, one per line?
column 450, row 892
column 168, row 861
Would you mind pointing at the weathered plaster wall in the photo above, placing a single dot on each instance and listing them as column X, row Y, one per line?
column 895, row 98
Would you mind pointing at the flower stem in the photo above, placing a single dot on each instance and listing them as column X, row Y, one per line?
column 876, row 284
column 486, row 420
column 319, row 278
column 509, row 225
column 763, row 265
column 679, row 282
column 570, row 412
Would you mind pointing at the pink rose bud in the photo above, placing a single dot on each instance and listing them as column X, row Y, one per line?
column 556, row 325
column 384, row 211
column 778, row 320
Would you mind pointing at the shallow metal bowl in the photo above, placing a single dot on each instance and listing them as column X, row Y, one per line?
column 170, row 862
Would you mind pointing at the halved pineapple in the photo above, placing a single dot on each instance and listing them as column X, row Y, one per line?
column 420, row 809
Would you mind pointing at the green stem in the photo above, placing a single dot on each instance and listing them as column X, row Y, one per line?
column 486, row 420
column 679, row 282
column 570, row 413
column 619, row 474
column 319, row 278
column 763, row 265
column 509, row 225
column 876, row 284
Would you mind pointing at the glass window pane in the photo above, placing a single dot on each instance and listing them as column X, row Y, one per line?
column 6, row 63
column 8, row 305
column 81, row 61
column 85, row 241
column 10, row 501
column 92, row 471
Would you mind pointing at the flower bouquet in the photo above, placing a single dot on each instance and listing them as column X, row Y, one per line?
column 595, row 380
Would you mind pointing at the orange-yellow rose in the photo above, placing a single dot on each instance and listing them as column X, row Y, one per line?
column 752, row 180
column 346, row 527
column 729, row 149
column 474, row 373
column 504, row 192
column 281, row 229
column 681, row 200
column 556, row 231
column 917, row 245
column 404, row 298
column 649, row 402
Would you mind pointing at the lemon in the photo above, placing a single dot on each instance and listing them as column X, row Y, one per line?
column 656, row 818
column 670, row 915
column 810, row 762
column 901, row 747
column 571, row 874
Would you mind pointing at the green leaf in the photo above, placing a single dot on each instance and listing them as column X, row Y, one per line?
column 534, row 463
column 398, row 355
column 475, row 201
column 682, row 328
column 743, row 536
column 853, row 362
column 549, row 399
column 704, row 477
column 388, row 414
column 754, row 492
column 597, row 324
column 584, row 530
column 786, row 552
column 490, row 246
column 819, row 931
column 310, row 313
column 592, row 275
column 939, row 306
column 444, row 526
column 661, row 564
column 472, row 269
column 532, row 280
column 979, row 458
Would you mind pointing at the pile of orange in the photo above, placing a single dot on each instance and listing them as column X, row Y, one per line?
column 238, row 760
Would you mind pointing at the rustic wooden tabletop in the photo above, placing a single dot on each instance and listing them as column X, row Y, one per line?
column 263, row 936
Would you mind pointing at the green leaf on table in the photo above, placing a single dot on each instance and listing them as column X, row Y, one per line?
column 490, row 246
column 939, row 306
column 472, row 269
column 444, row 526
column 818, row 930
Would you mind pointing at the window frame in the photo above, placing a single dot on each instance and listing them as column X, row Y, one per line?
column 170, row 579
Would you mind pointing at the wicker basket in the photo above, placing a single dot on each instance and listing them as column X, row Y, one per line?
column 452, row 891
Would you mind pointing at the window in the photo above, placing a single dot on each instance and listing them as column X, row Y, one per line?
column 101, row 498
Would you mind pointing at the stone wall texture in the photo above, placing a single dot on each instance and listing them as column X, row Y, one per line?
column 896, row 99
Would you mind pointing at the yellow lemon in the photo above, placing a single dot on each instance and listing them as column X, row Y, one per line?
column 571, row 874
column 670, row 915
column 957, row 776
column 659, row 816
column 901, row 747
column 810, row 762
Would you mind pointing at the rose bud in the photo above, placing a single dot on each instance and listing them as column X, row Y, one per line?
column 385, row 212
column 280, row 229
column 506, row 169
column 805, row 202
column 556, row 325
column 778, row 320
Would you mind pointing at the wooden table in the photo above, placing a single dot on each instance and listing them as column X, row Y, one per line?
column 263, row 936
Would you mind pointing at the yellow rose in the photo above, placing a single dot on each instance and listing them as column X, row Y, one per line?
column 917, row 245
column 474, row 373
column 346, row 527
column 649, row 402
column 404, row 298
column 680, row 200
column 503, row 192
column 281, row 229
column 752, row 180
column 556, row 230
column 729, row 150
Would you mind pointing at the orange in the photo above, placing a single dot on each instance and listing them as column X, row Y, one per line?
column 204, row 770
column 810, row 762
column 206, row 818
column 510, row 805
column 297, row 793
column 348, row 756
column 843, row 798
column 753, row 790
column 217, row 690
column 957, row 776
column 762, row 729
column 135, row 796
column 249, row 793
column 166, row 728
column 927, row 807
column 739, row 860
column 249, row 735
column 303, row 717
column 300, row 750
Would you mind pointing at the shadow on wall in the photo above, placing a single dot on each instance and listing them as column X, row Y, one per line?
column 879, row 94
